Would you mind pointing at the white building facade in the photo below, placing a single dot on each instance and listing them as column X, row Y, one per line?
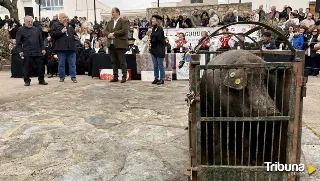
column 49, row 8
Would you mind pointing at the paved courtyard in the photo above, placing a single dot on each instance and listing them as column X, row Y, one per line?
column 97, row 131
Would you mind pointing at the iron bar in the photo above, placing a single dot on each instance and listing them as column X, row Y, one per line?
column 220, row 116
column 252, row 65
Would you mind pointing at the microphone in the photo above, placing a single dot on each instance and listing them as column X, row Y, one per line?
column 66, row 26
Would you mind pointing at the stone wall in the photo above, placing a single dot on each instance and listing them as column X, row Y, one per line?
column 220, row 9
column 5, row 56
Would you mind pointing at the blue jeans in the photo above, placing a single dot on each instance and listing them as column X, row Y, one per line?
column 70, row 56
column 158, row 66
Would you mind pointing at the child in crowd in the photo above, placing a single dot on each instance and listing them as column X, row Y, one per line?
column 297, row 40
column 52, row 59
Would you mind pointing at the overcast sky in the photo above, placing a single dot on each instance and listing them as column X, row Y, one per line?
column 133, row 4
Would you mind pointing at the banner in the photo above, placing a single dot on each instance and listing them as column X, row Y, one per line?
column 193, row 35
column 182, row 73
column 142, row 32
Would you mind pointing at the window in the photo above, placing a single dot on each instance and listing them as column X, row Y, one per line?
column 196, row 1
column 51, row 4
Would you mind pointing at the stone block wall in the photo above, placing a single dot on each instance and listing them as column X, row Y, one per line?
column 220, row 9
column 5, row 56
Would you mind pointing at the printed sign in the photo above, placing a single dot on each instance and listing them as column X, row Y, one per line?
column 182, row 73
column 148, row 76
column 142, row 32
column 107, row 74
column 193, row 35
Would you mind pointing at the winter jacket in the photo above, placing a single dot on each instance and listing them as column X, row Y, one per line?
column 297, row 42
column 63, row 41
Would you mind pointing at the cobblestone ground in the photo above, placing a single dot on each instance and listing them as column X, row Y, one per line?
column 95, row 130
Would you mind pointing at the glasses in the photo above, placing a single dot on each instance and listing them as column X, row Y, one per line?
column 315, row 32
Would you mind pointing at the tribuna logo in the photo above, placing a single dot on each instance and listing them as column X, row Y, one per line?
column 277, row 167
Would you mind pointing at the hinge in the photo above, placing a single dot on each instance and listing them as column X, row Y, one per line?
column 190, row 98
column 303, row 91
column 189, row 171
column 302, row 81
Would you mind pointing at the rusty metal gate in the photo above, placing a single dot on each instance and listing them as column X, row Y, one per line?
column 231, row 135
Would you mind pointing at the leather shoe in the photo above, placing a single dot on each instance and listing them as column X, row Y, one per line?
column 27, row 84
column 43, row 83
column 124, row 80
column 114, row 80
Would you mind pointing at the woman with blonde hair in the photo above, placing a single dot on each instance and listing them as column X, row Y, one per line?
column 206, row 44
column 85, row 35
column 157, row 49
column 213, row 19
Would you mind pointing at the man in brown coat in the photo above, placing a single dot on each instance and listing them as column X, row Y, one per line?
column 116, row 31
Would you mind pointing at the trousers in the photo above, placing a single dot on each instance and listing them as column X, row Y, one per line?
column 34, row 62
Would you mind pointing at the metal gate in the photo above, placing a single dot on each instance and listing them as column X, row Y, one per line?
column 229, row 138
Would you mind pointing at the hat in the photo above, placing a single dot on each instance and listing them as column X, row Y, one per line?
column 157, row 17
column 131, row 39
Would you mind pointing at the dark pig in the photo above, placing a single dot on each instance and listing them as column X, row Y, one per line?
column 238, row 92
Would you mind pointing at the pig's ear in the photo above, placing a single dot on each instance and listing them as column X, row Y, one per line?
column 234, row 78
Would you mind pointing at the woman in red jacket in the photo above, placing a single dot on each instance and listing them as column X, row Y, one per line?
column 206, row 44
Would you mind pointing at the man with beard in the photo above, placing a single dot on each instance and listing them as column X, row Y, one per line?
column 195, row 18
column 64, row 36
column 116, row 32
column 30, row 47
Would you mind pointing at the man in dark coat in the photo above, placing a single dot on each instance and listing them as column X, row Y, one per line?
column 133, row 49
column 266, row 43
column 64, row 42
column 186, row 22
column 75, row 22
column 30, row 47
column 36, row 23
column 54, row 20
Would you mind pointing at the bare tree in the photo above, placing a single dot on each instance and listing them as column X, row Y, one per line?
column 11, row 6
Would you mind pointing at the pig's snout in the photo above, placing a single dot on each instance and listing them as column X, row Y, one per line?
column 262, row 102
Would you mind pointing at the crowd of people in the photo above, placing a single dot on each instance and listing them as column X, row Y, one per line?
column 301, row 29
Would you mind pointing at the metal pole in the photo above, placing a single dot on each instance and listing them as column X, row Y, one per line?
column 87, row 9
column 158, row 3
column 95, row 15
column 39, row 11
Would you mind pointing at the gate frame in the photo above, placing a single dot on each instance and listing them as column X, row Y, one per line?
column 193, row 99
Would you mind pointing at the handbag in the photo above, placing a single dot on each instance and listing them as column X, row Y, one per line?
column 45, row 29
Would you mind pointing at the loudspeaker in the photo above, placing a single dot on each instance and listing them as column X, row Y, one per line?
column 317, row 7
column 28, row 11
